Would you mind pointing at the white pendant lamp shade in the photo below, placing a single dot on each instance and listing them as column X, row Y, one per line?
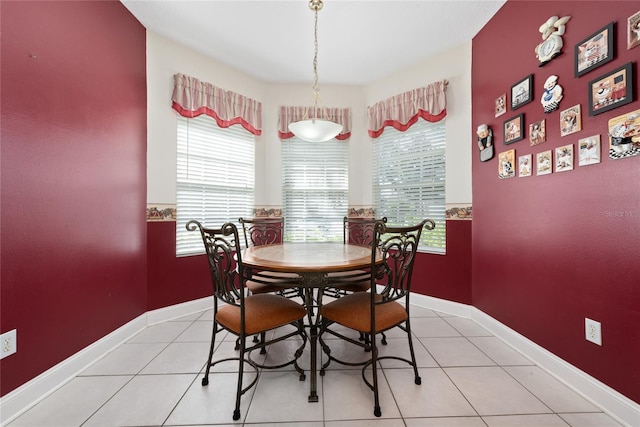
column 315, row 130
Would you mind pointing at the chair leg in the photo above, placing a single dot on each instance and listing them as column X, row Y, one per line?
column 417, row 379
column 374, row 366
column 236, row 412
column 263, row 336
column 205, row 379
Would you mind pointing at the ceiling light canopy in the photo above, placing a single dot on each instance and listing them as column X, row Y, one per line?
column 315, row 128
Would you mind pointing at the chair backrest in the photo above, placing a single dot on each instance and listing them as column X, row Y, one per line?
column 262, row 231
column 398, row 246
column 359, row 231
column 222, row 247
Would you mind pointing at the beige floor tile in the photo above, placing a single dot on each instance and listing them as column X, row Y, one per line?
column 590, row 420
column 551, row 391
column 145, row 400
column 163, row 332
column 73, row 403
column 467, row 327
column 455, row 352
column 437, row 396
column 347, row 397
column 432, row 327
column 281, row 397
column 499, row 352
column 492, row 391
column 213, row 403
column 445, row 422
column 542, row 420
column 128, row 359
column 179, row 358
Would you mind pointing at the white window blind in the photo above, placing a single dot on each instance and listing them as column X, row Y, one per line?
column 215, row 174
column 315, row 181
column 409, row 179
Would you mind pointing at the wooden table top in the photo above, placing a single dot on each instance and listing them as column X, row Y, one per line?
column 305, row 257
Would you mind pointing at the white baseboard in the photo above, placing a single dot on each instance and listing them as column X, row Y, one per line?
column 24, row 397
column 616, row 405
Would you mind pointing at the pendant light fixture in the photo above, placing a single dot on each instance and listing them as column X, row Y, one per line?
column 315, row 128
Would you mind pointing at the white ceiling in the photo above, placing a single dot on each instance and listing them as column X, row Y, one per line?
column 358, row 41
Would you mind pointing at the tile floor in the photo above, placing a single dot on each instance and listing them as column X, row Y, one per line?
column 469, row 379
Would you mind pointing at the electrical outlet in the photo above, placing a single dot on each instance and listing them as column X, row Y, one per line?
column 592, row 331
column 8, row 343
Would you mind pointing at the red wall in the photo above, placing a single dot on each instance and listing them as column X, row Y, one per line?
column 550, row 250
column 73, row 178
column 172, row 279
column 447, row 276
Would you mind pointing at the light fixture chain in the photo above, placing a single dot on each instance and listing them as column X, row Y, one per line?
column 315, row 63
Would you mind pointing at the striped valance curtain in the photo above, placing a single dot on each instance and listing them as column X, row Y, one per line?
column 192, row 98
column 293, row 114
column 403, row 110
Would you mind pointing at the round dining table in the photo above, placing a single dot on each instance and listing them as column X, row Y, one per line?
column 312, row 262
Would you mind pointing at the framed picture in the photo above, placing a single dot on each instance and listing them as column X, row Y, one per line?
column 564, row 158
column 633, row 30
column 611, row 90
column 589, row 150
column 501, row 105
column 570, row 120
column 513, row 129
column 537, row 132
column 524, row 165
column 543, row 163
column 594, row 51
column 506, row 164
column 522, row 92
column 624, row 135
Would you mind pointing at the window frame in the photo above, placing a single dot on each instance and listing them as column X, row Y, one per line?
column 423, row 196
column 215, row 177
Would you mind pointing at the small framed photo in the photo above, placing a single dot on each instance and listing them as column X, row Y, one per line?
column 611, row 90
column 522, row 92
column 501, row 105
column 537, row 132
column 513, row 129
column 633, row 30
column 589, row 150
column 506, row 164
column 570, row 120
column 564, row 158
column 543, row 163
column 624, row 135
column 524, row 165
column 594, row 51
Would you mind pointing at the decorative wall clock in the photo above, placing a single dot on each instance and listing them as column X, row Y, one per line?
column 552, row 31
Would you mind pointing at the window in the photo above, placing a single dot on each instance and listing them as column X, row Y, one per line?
column 409, row 178
column 315, row 189
column 215, row 174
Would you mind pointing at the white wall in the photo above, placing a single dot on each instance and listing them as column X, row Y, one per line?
column 166, row 58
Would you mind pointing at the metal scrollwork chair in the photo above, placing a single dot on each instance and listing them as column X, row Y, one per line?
column 244, row 315
column 355, row 231
column 268, row 231
column 379, row 309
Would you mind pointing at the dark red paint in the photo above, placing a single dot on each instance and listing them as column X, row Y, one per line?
column 550, row 250
column 73, row 178
column 172, row 279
